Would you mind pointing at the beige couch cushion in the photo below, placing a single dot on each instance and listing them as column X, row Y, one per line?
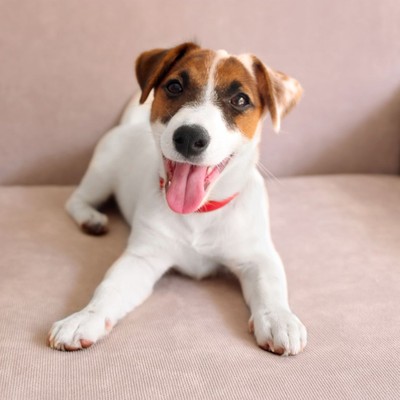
column 339, row 238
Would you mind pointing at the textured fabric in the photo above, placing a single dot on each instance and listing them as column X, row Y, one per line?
column 339, row 239
column 66, row 72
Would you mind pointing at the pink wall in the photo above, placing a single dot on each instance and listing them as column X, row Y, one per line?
column 66, row 72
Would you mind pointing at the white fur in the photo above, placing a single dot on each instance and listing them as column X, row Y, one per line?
column 127, row 163
column 247, row 60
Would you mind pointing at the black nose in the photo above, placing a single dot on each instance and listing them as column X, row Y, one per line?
column 191, row 140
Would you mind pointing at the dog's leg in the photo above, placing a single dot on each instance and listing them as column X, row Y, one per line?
column 275, row 327
column 95, row 188
column 91, row 193
column 126, row 285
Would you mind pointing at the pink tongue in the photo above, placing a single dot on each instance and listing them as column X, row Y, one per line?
column 186, row 190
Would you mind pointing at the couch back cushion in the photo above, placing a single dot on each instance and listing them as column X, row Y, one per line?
column 66, row 72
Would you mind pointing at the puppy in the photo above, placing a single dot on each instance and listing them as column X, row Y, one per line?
column 182, row 167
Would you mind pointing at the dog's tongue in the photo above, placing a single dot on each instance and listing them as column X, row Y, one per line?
column 186, row 190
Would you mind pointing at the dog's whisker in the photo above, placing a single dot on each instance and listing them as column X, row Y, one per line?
column 267, row 173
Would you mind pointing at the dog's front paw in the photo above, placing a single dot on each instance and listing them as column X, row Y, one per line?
column 78, row 331
column 279, row 331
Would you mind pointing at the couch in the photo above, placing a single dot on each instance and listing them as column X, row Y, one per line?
column 332, row 176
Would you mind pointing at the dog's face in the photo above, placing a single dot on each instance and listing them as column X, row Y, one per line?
column 207, row 106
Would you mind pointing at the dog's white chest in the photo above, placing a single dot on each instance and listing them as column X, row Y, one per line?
column 196, row 265
column 196, row 248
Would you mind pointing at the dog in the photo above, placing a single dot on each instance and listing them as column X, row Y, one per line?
column 182, row 168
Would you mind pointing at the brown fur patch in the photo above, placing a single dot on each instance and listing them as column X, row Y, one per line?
column 153, row 65
column 192, row 71
column 289, row 93
column 231, row 78
column 279, row 92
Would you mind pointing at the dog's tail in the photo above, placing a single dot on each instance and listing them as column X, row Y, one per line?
column 134, row 111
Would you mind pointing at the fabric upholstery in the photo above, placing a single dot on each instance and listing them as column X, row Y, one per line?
column 339, row 239
column 66, row 72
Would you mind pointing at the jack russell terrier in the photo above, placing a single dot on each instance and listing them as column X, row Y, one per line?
column 182, row 167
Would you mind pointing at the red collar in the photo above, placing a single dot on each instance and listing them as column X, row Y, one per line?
column 210, row 205
column 215, row 204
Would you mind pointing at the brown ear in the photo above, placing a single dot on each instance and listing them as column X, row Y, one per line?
column 279, row 92
column 151, row 66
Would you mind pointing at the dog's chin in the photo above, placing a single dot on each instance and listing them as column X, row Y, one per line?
column 187, row 185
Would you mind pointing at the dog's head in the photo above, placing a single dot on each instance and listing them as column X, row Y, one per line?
column 207, row 108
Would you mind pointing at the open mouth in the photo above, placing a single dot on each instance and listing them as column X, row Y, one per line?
column 187, row 184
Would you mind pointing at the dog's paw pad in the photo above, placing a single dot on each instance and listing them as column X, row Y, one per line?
column 279, row 332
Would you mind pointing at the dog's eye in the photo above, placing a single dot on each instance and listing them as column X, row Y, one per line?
column 174, row 88
column 240, row 101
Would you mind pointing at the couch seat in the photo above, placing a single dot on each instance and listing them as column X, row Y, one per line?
column 339, row 237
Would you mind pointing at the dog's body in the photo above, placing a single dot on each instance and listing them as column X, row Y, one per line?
column 171, row 160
